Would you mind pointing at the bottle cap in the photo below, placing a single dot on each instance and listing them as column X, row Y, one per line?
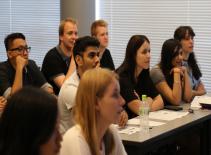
column 144, row 97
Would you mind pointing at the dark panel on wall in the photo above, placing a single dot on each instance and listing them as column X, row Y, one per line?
column 81, row 10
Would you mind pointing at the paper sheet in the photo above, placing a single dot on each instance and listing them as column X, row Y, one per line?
column 136, row 121
column 167, row 115
column 200, row 99
column 129, row 130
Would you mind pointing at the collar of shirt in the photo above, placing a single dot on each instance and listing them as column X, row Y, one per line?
column 64, row 57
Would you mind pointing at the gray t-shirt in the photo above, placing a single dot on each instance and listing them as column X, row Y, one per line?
column 156, row 75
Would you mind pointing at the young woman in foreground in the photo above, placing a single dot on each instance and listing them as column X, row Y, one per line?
column 95, row 111
column 29, row 124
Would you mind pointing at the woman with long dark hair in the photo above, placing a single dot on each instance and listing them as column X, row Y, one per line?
column 185, row 35
column 169, row 76
column 134, row 76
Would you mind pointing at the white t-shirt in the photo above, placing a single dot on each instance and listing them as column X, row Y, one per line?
column 66, row 101
column 74, row 143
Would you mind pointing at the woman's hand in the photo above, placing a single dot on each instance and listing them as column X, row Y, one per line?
column 3, row 102
column 123, row 118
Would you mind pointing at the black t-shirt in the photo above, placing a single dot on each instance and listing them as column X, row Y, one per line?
column 53, row 66
column 107, row 61
column 31, row 76
column 144, row 85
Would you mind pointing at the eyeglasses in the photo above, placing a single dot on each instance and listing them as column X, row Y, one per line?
column 21, row 49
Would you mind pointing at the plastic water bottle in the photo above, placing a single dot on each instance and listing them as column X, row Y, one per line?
column 144, row 115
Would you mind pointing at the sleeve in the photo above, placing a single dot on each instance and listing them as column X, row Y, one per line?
column 119, row 149
column 156, row 75
column 67, row 95
column 52, row 65
column 127, row 89
column 5, row 82
column 74, row 144
column 39, row 79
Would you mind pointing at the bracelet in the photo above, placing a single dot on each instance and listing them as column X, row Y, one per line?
column 177, row 72
column 177, row 82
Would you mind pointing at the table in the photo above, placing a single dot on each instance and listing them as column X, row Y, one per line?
column 161, row 135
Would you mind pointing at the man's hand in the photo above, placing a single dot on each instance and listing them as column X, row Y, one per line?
column 20, row 62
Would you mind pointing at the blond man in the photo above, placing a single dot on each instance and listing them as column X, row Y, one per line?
column 99, row 29
column 58, row 63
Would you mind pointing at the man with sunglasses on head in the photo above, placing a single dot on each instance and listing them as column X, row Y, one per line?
column 18, row 70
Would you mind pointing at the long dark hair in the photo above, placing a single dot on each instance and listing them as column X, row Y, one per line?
column 129, row 63
column 27, row 122
column 170, row 50
column 179, row 34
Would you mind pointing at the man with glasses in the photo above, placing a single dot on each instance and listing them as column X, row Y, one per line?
column 18, row 70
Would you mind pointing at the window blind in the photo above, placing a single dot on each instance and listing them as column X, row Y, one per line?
column 38, row 20
column 158, row 20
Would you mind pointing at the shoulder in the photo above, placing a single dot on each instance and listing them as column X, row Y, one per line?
column 6, row 69
column 124, row 74
column 71, row 82
column 73, row 133
column 31, row 62
column 74, row 142
column 125, row 78
column 70, row 85
column 155, row 69
column 53, row 63
column 52, row 52
column 33, row 66
column 5, row 65
column 156, row 74
column 119, row 149
column 52, row 55
column 107, row 52
column 113, row 129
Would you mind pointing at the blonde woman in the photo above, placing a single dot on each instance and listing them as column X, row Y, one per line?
column 95, row 111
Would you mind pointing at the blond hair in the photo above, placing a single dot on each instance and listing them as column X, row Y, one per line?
column 63, row 22
column 95, row 81
column 96, row 24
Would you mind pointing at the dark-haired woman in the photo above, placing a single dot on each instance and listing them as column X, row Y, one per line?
column 134, row 76
column 169, row 76
column 185, row 35
column 29, row 124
